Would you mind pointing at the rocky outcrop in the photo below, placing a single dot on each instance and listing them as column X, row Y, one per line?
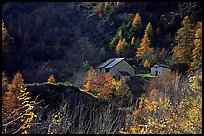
column 54, row 94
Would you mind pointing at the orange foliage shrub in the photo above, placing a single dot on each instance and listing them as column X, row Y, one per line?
column 104, row 86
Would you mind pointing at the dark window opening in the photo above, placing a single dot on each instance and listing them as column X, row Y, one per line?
column 107, row 69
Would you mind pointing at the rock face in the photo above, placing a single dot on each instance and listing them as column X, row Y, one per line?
column 85, row 113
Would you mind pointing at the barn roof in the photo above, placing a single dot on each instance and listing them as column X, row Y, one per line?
column 163, row 65
column 106, row 63
column 111, row 63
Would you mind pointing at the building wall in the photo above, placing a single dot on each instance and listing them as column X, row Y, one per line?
column 160, row 70
column 166, row 70
column 122, row 66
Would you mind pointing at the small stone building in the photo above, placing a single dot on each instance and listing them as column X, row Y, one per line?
column 158, row 69
column 118, row 68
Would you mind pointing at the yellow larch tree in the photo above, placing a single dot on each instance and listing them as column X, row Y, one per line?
column 121, row 44
column 144, row 48
column 146, row 64
column 91, row 75
column 185, row 38
column 136, row 21
column 107, row 5
column 51, row 79
column 133, row 41
column 197, row 51
column 99, row 9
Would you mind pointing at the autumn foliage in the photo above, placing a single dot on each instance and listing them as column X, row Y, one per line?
column 158, row 114
column 136, row 21
column 99, row 9
column 51, row 79
column 5, row 82
column 105, row 86
column 197, row 51
column 121, row 44
column 144, row 48
column 146, row 64
column 17, row 109
column 185, row 38
column 91, row 75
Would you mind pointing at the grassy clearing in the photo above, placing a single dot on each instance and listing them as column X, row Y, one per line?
column 144, row 75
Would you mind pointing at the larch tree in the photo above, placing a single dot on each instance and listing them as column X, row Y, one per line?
column 185, row 42
column 5, row 82
column 91, row 75
column 6, row 41
column 136, row 23
column 13, row 92
column 17, row 107
column 146, row 64
column 118, row 4
column 144, row 50
column 118, row 48
column 51, row 79
column 120, row 34
column 121, row 44
column 197, row 51
column 9, row 103
column 133, row 41
column 149, row 30
column 107, row 5
column 99, row 9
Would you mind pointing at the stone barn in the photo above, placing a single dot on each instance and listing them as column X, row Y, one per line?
column 158, row 69
column 117, row 67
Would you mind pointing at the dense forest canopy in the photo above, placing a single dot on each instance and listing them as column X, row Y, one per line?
column 72, row 33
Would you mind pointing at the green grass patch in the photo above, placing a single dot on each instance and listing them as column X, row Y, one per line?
column 67, row 84
column 144, row 75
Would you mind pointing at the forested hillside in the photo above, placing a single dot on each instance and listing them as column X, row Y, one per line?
column 58, row 38
column 56, row 45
